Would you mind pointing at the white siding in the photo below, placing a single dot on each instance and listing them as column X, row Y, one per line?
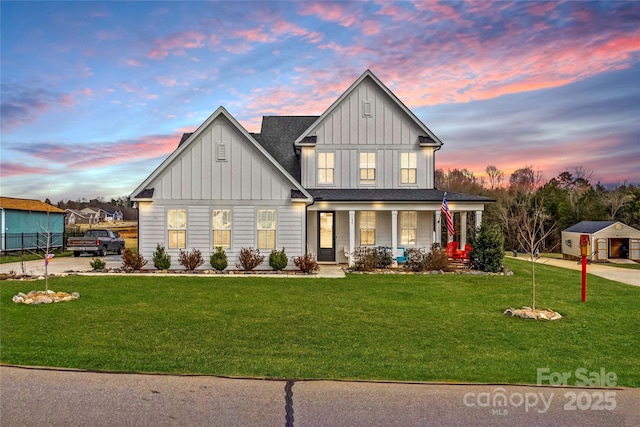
column 197, row 175
column 196, row 181
column 346, row 132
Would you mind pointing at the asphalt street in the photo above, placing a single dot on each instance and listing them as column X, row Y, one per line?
column 38, row 397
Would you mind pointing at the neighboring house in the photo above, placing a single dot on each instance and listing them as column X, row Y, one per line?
column 361, row 174
column 74, row 216
column 607, row 240
column 28, row 224
column 113, row 215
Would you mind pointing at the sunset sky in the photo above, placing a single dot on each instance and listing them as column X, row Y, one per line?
column 96, row 94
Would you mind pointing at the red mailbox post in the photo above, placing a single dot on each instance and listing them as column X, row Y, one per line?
column 585, row 249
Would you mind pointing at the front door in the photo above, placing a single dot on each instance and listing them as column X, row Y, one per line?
column 326, row 236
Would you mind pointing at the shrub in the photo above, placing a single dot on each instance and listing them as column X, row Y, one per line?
column 437, row 259
column 278, row 260
column 190, row 260
column 249, row 259
column 218, row 259
column 487, row 242
column 97, row 264
column 417, row 259
column 132, row 261
column 306, row 263
column 366, row 259
column 161, row 259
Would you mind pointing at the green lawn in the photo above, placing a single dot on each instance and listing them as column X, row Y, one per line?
column 387, row 327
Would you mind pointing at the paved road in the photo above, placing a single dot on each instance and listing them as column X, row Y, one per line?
column 34, row 397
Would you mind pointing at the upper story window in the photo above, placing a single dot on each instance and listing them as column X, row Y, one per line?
column 221, row 228
column 408, row 168
column 266, row 229
column 408, row 227
column 177, row 228
column 367, row 168
column 367, row 228
column 326, row 166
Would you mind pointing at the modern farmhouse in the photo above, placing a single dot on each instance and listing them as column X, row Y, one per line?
column 361, row 174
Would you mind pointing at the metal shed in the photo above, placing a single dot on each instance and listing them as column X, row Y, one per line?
column 608, row 240
column 27, row 225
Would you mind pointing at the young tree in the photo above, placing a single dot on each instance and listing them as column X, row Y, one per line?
column 530, row 223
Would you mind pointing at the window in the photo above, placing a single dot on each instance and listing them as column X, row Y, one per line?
column 408, row 227
column 367, row 228
column 408, row 169
column 367, row 168
column 266, row 229
column 325, row 168
column 222, row 228
column 177, row 227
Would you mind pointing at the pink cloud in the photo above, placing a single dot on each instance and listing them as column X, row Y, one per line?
column 177, row 44
column 8, row 169
column 342, row 13
column 134, row 63
column 85, row 156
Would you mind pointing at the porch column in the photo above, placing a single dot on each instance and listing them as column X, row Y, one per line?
column 463, row 229
column 438, row 230
column 352, row 235
column 394, row 235
column 478, row 218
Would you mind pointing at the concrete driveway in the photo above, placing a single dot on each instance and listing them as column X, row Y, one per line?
column 34, row 397
column 628, row 276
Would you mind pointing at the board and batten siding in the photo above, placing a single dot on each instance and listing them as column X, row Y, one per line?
column 387, row 131
column 198, row 174
column 243, row 182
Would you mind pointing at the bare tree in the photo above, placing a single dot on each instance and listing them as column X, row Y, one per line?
column 496, row 176
column 614, row 200
column 529, row 220
column 525, row 180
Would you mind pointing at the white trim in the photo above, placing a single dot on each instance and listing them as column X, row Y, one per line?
column 391, row 95
column 221, row 111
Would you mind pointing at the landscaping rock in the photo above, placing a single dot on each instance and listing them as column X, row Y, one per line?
column 43, row 297
column 529, row 313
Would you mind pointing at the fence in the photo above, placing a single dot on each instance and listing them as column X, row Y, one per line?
column 31, row 241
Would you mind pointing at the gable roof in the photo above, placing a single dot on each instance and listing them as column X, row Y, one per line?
column 429, row 138
column 277, row 136
column 590, row 227
column 27, row 205
column 142, row 192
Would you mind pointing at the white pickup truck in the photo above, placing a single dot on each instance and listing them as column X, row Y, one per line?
column 98, row 241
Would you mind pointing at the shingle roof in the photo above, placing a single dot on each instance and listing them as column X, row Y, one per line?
column 27, row 205
column 277, row 136
column 147, row 193
column 390, row 195
column 589, row 227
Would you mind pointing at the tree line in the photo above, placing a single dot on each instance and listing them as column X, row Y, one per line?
column 556, row 204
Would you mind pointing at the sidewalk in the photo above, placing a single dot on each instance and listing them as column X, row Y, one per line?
column 627, row 276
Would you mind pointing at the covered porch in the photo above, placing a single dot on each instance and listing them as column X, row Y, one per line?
column 336, row 227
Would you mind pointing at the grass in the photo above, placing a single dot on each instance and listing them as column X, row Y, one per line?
column 378, row 327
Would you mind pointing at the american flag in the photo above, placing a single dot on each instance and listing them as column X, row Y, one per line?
column 447, row 215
